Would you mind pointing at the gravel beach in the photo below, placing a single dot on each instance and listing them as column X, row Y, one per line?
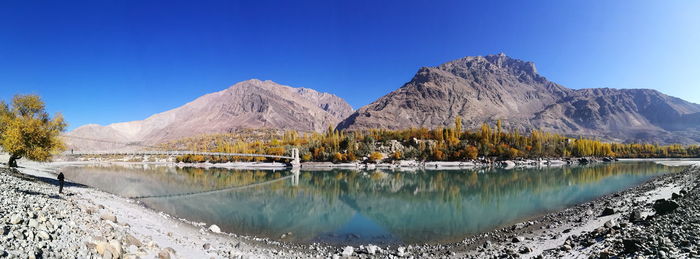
column 37, row 222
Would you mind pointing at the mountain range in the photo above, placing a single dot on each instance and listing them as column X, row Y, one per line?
column 479, row 89
column 497, row 87
column 245, row 105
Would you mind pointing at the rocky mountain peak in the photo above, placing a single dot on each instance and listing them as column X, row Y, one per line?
column 497, row 87
column 492, row 64
column 250, row 104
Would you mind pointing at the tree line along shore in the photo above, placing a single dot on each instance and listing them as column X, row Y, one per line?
column 28, row 131
column 486, row 144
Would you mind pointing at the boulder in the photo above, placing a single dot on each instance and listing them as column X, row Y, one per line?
column 525, row 250
column 372, row 249
column 131, row 240
column 675, row 196
column 663, row 206
column 401, row 251
column 101, row 247
column 215, row 228
column 109, row 217
column 518, row 239
column 116, row 248
column 348, row 251
column 166, row 253
column 632, row 245
column 636, row 216
column 607, row 212
column 610, row 223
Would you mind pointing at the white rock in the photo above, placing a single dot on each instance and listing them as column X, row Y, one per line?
column 215, row 229
column 43, row 235
column 33, row 223
column 15, row 219
column 372, row 249
column 116, row 248
column 401, row 251
column 348, row 250
column 109, row 217
column 101, row 247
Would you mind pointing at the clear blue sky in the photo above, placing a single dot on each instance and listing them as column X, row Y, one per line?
column 111, row 61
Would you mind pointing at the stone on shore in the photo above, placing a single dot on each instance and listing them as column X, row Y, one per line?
column 109, row 217
column 663, row 206
column 16, row 219
column 43, row 235
column 215, row 229
column 166, row 253
column 131, row 240
column 636, row 216
column 372, row 249
column 348, row 251
column 607, row 212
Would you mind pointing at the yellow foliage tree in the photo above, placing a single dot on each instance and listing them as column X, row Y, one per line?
column 472, row 152
column 376, row 156
column 397, row 155
column 27, row 130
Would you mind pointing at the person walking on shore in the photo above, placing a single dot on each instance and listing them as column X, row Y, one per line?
column 60, row 182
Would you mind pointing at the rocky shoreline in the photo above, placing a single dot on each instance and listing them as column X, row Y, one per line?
column 37, row 222
column 657, row 219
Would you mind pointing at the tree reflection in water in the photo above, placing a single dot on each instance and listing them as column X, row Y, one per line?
column 348, row 206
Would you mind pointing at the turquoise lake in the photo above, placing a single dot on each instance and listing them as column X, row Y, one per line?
column 359, row 207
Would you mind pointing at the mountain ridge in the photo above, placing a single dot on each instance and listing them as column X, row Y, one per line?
column 478, row 89
column 496, row 87
column 248, row 104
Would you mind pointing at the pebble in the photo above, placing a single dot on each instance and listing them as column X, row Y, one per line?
column 16, row 219
column 43, row 235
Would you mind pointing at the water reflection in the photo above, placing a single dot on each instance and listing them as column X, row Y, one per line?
column 344, row 206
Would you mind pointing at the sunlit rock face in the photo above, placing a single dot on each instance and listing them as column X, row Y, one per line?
column 497, row 87
column 251, row 104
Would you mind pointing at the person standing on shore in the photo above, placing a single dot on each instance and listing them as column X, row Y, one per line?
column 60, row 182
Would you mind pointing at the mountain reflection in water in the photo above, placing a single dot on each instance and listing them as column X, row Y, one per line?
column 352, row 207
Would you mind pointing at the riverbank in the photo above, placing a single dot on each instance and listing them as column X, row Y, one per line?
column 658, row 219
column 84, row 215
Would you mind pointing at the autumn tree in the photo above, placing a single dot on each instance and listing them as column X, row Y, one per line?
column 28, row 131
column 471, row 152
column 376, row 157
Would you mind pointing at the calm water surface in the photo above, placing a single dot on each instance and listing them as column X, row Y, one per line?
column 352, row 207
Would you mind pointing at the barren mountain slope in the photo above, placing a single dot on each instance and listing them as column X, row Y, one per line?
column 497, row 87
column 248, row 104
